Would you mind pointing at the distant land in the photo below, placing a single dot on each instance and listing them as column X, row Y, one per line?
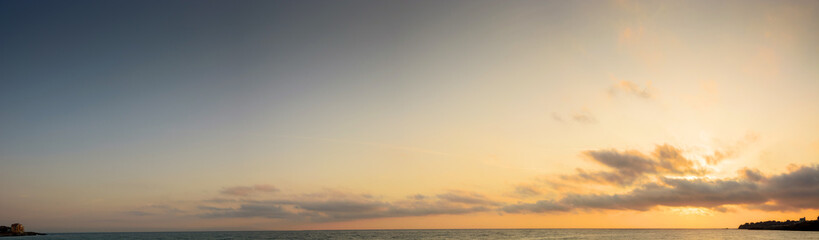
column 16, row 230
column 800, row 225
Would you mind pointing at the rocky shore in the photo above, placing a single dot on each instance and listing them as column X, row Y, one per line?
column 16, row 230
column 800, row 225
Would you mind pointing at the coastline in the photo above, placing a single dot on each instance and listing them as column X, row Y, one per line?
column 790, row 225
column 21, row 234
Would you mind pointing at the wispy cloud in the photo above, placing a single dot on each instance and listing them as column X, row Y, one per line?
column 246, row 211
column 557, row 117
column 138, row 213
column 466, row 198
column 527, row 190
column 631, row 88
column 731, row 150
column 752, row 175
column 155, row 209
column 627, row 167
column 341, row 206
column 537, row 207
column 584, row 117
column 244, row 191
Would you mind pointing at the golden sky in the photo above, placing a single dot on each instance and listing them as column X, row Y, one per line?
column 261, row 115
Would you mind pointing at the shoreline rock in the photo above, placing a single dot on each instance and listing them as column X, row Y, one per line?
column 16, row 230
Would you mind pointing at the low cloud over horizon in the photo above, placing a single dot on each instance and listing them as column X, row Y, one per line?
column 791, row 191
column 245, row 191
column 662, row 178
column 331, row 205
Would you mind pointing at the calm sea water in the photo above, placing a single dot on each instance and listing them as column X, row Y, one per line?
column 454, row 234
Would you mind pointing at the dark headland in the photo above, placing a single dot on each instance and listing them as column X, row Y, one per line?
column 16, row 230
column 801, row 225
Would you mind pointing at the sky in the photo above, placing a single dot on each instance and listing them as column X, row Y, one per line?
column 296, row 115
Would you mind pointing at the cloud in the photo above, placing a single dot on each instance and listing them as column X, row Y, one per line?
column 798, row 189
column 752, row 175
column 584, row 117
column 466, row 197
column 631, row 88
column 674, row 193
column 220, row 200
column 417, row 197
column 527, row 190
column 351, row 210
column 244, row 191
column 557, row 117
column 247, row 211
column 717, row 157
column 155, row 209
column 731, row 151
column 662, row 178
column 627, row 161
column 537, row 207
column 771, row 207
column 627, row 167
column 613, row 178
column 138, row 213
column 341, row 206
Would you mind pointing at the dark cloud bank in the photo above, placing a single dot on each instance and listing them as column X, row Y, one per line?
column 794, row 190
column 655, row 179
column 628, row 167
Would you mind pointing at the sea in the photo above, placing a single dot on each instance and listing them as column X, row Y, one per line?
column 679, row 234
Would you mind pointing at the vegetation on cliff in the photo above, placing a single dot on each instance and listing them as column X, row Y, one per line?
column 801, row 225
